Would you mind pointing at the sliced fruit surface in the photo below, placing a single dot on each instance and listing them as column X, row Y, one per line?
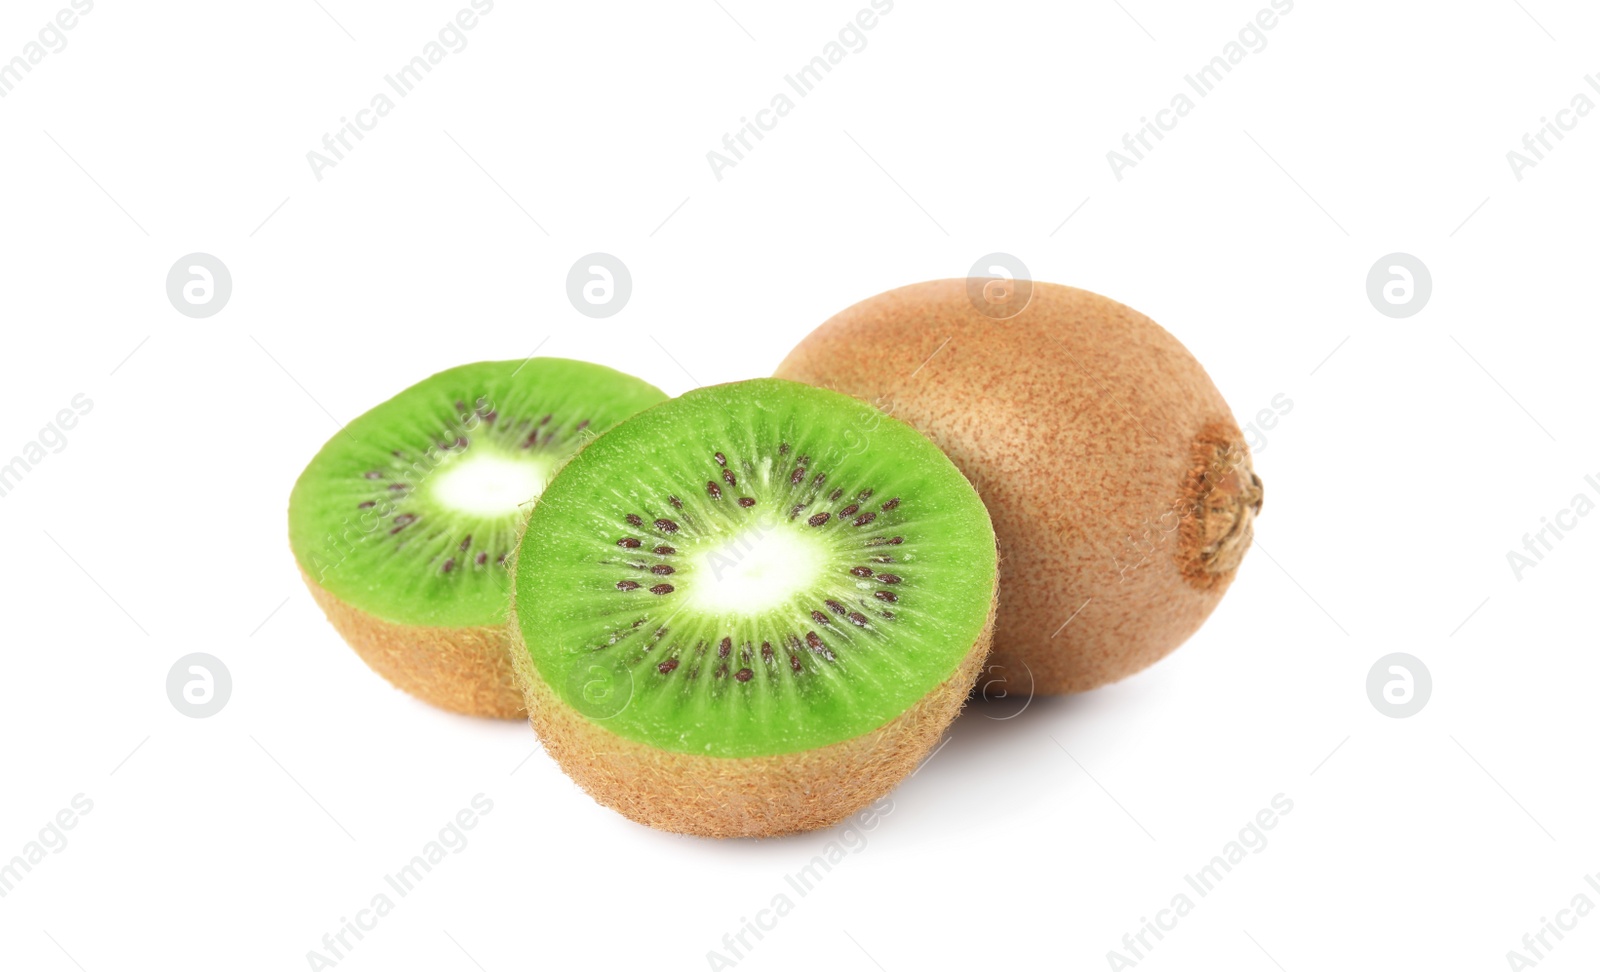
column 754, row 569
column 411, row 512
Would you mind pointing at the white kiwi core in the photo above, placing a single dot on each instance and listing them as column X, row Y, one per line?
column 754, row 569
column 490, row 484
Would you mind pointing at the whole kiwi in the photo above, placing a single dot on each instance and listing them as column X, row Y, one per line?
column 1119, row 484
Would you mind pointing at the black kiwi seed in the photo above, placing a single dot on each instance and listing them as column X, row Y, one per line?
column 628, row 543
column 667, row 551
column 665, row 569
column 849, row 510
column 713, row 490
column 858, row 619
column 861, row 571
column 889, row 578
column 725, row 647
column 819, row 617
column 666, row 589
column 627, row 586
column 746, row 502
column 728, row 477
column 667, row 666
column 633, row 520
column 721, row 459
column 819, row 519
column 744, row 674
column 798, row 475
column 889, row 596
column 890, row 504
column 864, row 519
column 666, row 526
column 835, row 607
column 814, row 642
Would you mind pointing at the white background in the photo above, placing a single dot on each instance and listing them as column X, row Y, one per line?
column 1414, row 458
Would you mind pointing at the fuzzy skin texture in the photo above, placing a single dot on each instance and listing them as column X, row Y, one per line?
column 768, row 796
column 466, row 670
column 1118, row 481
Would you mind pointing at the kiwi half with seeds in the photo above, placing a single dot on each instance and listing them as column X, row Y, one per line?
column 751, row 610
column 404, row 523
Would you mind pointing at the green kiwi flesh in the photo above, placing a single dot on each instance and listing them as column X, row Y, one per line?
column 750, row 570
column 411, row 512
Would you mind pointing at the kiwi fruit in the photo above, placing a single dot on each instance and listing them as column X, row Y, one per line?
column 1120, row 485
column 403, row 524
column 751, row 610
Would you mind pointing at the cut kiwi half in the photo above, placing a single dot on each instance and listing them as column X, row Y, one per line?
column 751, row 610
column 404, row 523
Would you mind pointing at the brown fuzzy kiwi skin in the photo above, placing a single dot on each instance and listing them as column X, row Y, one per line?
column 1119, row 484
column 766, row 796
column 466, row 670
